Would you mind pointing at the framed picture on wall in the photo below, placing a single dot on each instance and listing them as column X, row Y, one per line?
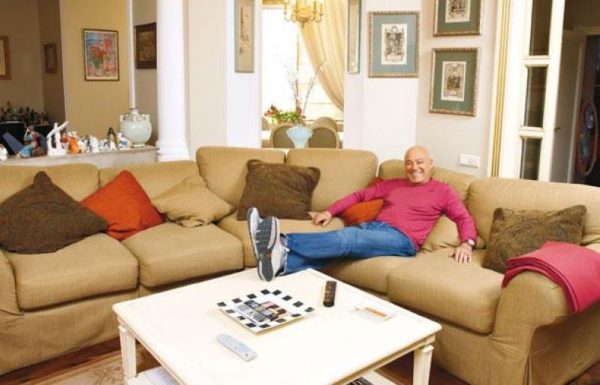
column 244, row 35
column 4, row 58
column 353, row 49
column 50, row 58
column 454, row 81
column 145, row 46
column 393, row 44
column 101, row 54
column 457, row 17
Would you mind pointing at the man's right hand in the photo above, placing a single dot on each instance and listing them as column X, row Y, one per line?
column 323, row 218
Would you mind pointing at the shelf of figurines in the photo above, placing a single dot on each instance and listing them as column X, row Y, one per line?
column 60, row 147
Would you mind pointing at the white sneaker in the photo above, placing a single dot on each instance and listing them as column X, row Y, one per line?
column 270, row 253
column 253, row 219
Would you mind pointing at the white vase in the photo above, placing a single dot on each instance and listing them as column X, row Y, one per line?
column 136, row 127
column 299, row 135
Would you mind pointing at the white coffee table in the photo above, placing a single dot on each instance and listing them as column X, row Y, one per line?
column 330, row 346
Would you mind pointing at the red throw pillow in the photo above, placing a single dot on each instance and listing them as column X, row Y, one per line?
column 123, row 203
column 363, row 211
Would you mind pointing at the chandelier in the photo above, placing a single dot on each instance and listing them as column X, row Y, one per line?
column 303, row 11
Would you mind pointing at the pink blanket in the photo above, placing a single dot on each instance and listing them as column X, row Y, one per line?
column 574, row 268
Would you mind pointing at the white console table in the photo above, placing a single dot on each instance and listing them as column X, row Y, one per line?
column 146, row 154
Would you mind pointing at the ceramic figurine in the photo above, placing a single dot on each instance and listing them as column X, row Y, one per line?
column 111, row 137
column 32, row 144
column 94, row 144
column 3, row 153
column 54, row 140
column 123, row 142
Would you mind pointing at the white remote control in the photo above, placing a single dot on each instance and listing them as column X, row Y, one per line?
column 237, row 347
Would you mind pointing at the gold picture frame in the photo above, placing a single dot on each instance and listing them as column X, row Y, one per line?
column 4, row 58
column 457, row 17
column 244, row 36
column 354, row 30
column 50, row 58
column 101, row 55
column 454, row 77
column 145, row 46
column 393, row 44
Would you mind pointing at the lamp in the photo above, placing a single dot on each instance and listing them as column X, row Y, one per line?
column 303, row 11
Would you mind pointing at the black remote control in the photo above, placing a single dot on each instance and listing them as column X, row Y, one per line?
column 329, row 297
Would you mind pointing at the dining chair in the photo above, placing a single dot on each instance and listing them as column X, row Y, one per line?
column 279, row 138
column 324, row 136
column 326, row 121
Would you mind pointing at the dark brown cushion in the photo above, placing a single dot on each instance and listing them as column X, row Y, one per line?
column 281, row 190
column 42, row 218
column 518, row 232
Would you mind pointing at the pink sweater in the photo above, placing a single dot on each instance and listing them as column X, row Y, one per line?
column 414, row 209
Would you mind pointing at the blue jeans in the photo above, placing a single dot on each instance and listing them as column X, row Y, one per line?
column 369, row 239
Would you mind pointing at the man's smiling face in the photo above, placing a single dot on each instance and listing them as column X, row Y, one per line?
column 418, row 165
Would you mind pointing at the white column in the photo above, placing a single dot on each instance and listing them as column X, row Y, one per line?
column 131, row 53
column 170, row 73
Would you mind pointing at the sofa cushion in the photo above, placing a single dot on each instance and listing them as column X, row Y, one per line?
column 42, row 218
column 155, row 178
column 363, row 211
column 217, row 162
column 240, row 230
column 394, row 168
column 171, row 253
column 124, row 205
column 445, row 232
column 487, row 194
column 517, row 232
column 78, row 180
column 342, row 172
column 190, row 203
column 279, row 190
column 94, row 266
column 370, row 273
column 434, row 284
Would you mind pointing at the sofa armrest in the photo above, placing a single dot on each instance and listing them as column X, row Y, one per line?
column 531, row 300
column 8, row 290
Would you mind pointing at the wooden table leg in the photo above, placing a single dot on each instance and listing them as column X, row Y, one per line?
column 422, row 365
column 128, row 354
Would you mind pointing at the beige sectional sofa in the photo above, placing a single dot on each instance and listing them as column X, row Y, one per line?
column 54, row 303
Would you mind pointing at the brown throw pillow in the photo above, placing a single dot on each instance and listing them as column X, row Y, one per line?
column 518, row 232
column 190, row 203
column 281, row 190
column 42, row 218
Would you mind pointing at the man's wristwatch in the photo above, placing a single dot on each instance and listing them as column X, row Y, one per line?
column 470, row 242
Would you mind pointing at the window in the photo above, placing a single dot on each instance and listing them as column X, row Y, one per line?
column 284, row 59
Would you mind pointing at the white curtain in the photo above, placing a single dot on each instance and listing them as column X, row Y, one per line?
column 325, row 43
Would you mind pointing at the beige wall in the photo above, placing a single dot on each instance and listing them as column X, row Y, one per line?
column 144, row 12
column 93, row 106
column 19, row 21
column 582, row 12
column 448, row 136
column 52, row 83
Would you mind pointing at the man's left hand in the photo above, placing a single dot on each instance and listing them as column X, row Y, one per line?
column 463, row 253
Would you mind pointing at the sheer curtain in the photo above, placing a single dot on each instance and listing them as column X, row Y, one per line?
column 325, row 43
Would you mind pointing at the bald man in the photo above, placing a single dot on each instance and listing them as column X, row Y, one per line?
column 412, row 206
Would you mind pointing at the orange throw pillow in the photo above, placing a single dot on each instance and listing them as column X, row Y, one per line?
column 123, row 203
column 363, row 211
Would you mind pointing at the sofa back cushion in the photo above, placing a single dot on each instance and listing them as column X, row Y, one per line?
column 78, row 180
column 445, row 232
column 224, row 168
column 485, row 195
column 342, row 172
column 155, row 178
column 394, row 168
